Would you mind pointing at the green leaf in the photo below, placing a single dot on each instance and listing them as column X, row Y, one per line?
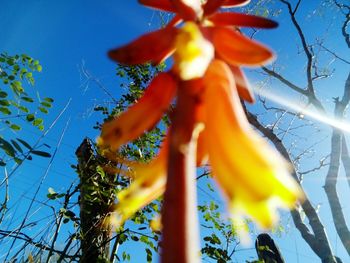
column 18, row 160
column 135, row 238
column 46, row 104
column 16, row 86
column 27, row 99
column 51, row 191
column 25, row 144
column 30, row 117
column 24, row 109
column 50, row 100
column 37, row 122
column 43, row 110
column 3, row 94
column 41, row 153
column 5, row 111
column 4, row 103
column 15, row 127
column 7, row 147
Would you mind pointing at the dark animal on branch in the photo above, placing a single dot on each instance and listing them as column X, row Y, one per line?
column 267, row 250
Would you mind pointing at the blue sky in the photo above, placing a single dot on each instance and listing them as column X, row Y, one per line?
column 65, row 34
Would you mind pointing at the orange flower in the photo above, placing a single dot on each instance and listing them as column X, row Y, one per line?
column 219, row 28
column 208, row 123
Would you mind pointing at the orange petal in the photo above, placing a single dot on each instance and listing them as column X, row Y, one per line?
column 244, row 20
column 149, row 184
column 246, row 168
column 242, row 85
column 235, row 3
column 164, row 5
column 211, row 6
column 141, row 116
column 152, row 47
column 188, row 9
column 237, row 49
column 202, row 150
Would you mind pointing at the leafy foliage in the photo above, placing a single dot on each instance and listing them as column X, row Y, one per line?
column 19, row 104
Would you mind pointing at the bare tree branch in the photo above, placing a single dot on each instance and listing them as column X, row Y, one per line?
column 317, row 239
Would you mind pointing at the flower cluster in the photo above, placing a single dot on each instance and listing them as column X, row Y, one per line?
column 208, row 122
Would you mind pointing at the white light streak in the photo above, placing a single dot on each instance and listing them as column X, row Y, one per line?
column 321, row 117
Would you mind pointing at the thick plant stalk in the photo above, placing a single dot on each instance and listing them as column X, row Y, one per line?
column 94, row 237
column 179, row 216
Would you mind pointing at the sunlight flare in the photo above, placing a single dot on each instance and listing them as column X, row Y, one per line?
column 302, row 110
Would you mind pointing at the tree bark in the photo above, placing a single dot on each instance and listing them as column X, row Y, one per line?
column 330, row 186
column 316, row 237
column 94, row 234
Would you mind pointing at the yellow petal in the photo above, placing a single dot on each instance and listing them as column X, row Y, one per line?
column 141, row 116
column 156, row 223
column 248, row 170
column 149, row 184
column 193, row 52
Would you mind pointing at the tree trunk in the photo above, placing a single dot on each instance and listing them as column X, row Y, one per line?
column 94, row 234
column 316, row 237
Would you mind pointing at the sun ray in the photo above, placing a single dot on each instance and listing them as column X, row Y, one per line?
column 303, row 110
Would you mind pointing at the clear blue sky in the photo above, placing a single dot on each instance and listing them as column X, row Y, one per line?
column 62, row 34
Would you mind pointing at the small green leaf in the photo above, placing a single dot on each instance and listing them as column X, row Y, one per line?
column 46, row 104
column 41, row 153
column 5, row 111
column 3, row 94
column 16, row 86
column 15, row 127
column 51, row 191
column 27, row 99
column 4, row 103
column 135, row 238
column 50, row 100
column 24, row 109
column 27, row 145
column 18, row 160
column 7, row 147
column 30, row 117
column 37, row 122
column 43, row 110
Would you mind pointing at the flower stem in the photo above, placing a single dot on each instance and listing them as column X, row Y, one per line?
column 180, row 223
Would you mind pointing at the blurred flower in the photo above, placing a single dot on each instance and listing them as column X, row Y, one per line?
column 207, row 84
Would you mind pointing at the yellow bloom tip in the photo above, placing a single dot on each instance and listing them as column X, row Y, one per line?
column 156, row 224
column 193, row 52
